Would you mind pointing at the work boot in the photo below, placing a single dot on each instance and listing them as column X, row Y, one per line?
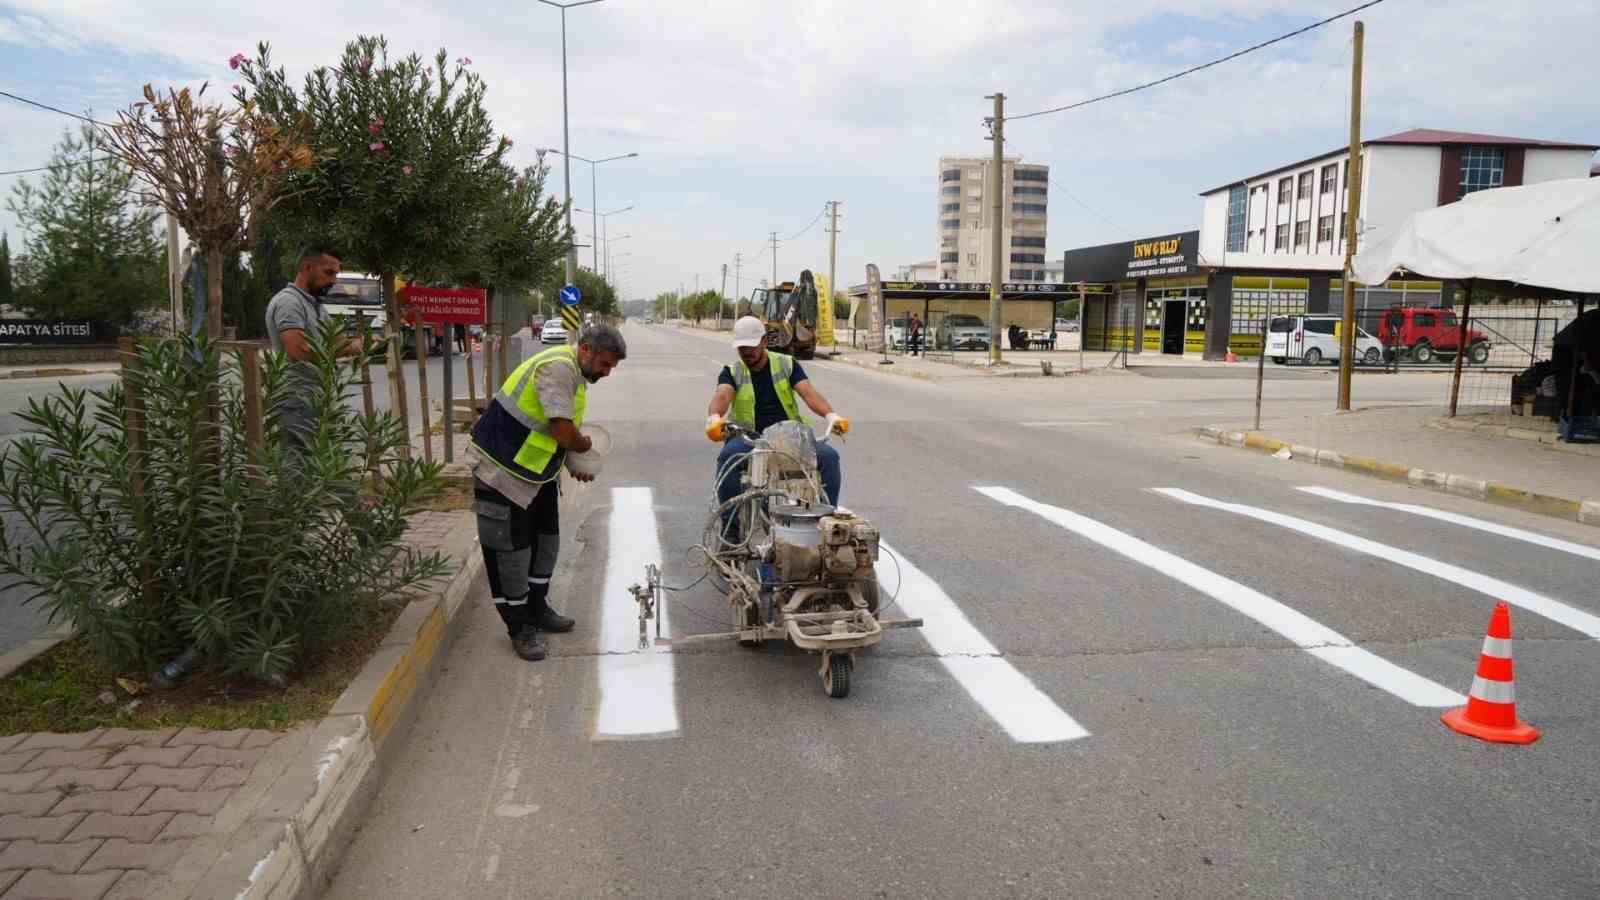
column 547, row 619
column 527, row 644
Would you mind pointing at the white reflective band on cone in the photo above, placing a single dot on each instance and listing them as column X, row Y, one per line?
column 1497, row 647
column 1493, row 691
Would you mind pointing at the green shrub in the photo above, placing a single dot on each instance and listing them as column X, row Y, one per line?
column 252, row 566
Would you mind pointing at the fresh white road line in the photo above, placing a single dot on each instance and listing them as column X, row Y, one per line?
column 1551, row 609
column 1025, row 712
column 1315, row 638
column 1464, row 521
column 637, row 698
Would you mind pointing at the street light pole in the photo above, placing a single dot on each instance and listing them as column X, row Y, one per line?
column 566, row 129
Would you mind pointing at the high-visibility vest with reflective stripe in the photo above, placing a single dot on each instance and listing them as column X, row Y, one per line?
column 744, row 391
column 514, row 432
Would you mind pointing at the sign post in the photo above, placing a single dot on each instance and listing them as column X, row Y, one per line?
column 448, row 307
column 570, row 296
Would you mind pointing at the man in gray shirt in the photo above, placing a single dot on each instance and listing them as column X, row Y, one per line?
column 294, row 314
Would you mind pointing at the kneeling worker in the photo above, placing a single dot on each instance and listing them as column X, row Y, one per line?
column 518, row 448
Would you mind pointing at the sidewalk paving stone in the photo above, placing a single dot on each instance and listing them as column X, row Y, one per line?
column 122, row 803
column 42, row 884
column 61, row 858
column 158, row 776
column 141, row 828
column 117, row 853
column 38, row 828
column 88, row 779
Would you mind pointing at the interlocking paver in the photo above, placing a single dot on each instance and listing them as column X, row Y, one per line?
column 168, row 800
column 213, row 756
column 120, row 854
column 135, row 885
column 126, row 737
column 160, row 776
column 226, row 777
column 170, row 757
column 122, row 803
column 14, row 762
column 187, row 825
column 11, row 740
column 62, row 858
column 56, row 759
column 7, row 879
column 37, row 828
column 35, row 804
column 38, row 884
column 141, row 828
column 228, row 740
column 21, row 782
column 47, row 740
column 86, row 779
column 259, row 740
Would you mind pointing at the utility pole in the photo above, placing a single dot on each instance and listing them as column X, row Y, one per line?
column 738, row 263
column 774, row 259
column 722, row 295
column 1347, row 335
column 174, row 272
column 997, row 127
column 833, row 256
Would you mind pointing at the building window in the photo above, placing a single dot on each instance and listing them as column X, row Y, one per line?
column 1032, row 175
column 1024, row 275
column 950, row 223
column 1283, row 237
column 972, row 206
column 1285, row 186
column 949, row 257
column 1028, row 258
column 1325, row 229
column 972, row 259
column 1330, row 175
column 950, row 207
column 1482, row 168
column 952, row 191
column 1028, row 209
column 1030, row 190
column 1304, row 193
column 1237, row 204
column 1021, row 240
column 1302, row 233
column 951, row 175
column 972, row 223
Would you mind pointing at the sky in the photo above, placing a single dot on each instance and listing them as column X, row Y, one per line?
column 749, row 116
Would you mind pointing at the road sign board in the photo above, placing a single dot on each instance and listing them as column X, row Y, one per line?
column 570, row 295
column 446, row 306
column 569, row 318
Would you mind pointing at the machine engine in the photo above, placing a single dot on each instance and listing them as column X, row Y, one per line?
column 820, row 544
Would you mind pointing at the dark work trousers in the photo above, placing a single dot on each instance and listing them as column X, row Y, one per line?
column 519, row 550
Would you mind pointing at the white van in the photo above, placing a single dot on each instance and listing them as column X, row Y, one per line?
column 1313, row 340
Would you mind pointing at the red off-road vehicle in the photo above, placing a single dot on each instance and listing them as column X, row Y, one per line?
column 1426, row 332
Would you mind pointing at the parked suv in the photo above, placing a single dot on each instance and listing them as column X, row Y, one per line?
column 961, row 331
column 1427, row 332
column 1313, row 339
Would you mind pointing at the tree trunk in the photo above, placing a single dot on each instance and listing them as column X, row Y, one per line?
column 397, row 381
column 214, row 293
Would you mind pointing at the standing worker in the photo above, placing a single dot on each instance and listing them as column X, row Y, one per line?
column 914, row 334
column 519, row 446
column 293, row 315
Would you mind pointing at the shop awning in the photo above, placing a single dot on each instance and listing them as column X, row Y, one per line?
column 1542, row 236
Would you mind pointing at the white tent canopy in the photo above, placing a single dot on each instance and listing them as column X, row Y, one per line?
column 1544, row 235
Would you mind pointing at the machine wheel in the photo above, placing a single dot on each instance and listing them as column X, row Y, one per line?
column 1478, row 354
column 1422, row 354
column 1312, row 357
column 836, row 680
column 1279, row 360
column 1372, row 357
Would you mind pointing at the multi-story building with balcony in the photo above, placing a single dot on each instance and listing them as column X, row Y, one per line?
column 966, row 219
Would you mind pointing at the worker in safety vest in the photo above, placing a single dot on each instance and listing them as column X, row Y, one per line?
column 759, row 390
column 519, row 447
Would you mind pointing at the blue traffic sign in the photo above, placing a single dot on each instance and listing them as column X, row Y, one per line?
column 570, row 295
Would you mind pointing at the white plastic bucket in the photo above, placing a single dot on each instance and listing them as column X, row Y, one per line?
column 590, row 463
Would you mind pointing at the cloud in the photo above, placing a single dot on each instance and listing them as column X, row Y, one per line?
column 748, row 116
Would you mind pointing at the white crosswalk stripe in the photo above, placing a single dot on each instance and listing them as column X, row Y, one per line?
column 1518, row 534
column 637, row 693
column 1026, row 713
column 1316, row 639
column 1550, row 608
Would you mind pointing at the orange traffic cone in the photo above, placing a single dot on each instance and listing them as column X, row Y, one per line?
column 1491, row 710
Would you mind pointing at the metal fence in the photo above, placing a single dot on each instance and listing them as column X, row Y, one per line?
column 1510, row 356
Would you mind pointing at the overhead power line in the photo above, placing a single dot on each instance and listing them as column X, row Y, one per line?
column 69, row 163
column 801, row 232
column 1215, row 62
column 48, row 107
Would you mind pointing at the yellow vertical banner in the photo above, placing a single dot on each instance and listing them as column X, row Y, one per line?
column 824, row 311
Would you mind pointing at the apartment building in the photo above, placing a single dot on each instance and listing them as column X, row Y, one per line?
column 966, row 219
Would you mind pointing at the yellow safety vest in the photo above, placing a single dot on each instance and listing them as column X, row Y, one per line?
column 744, row 391
column 514, row 431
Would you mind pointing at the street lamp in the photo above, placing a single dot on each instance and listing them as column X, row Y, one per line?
column 594, row 188
column 608, row 257
column 566, row 131
column 601, row 235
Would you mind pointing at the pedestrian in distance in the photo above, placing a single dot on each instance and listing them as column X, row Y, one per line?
column 914, row 335
column 519, row 447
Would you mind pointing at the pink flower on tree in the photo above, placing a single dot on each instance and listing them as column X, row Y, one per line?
column 236, row 60
column 376, row 146
column 366, row 63
column 376, row 125
column 406, row 169
column 505, row 140
column 464, row 61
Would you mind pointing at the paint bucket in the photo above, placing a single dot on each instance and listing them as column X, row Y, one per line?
column 590, row 463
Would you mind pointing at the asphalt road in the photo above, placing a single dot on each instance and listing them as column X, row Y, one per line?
column 1121, row 693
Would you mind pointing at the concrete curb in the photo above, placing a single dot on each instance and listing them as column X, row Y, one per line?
column 1584, row 511
column 52, row 373
column 290, row 824
column 29, row 650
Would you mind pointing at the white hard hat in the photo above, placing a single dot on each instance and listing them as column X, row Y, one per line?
column 748, row 332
